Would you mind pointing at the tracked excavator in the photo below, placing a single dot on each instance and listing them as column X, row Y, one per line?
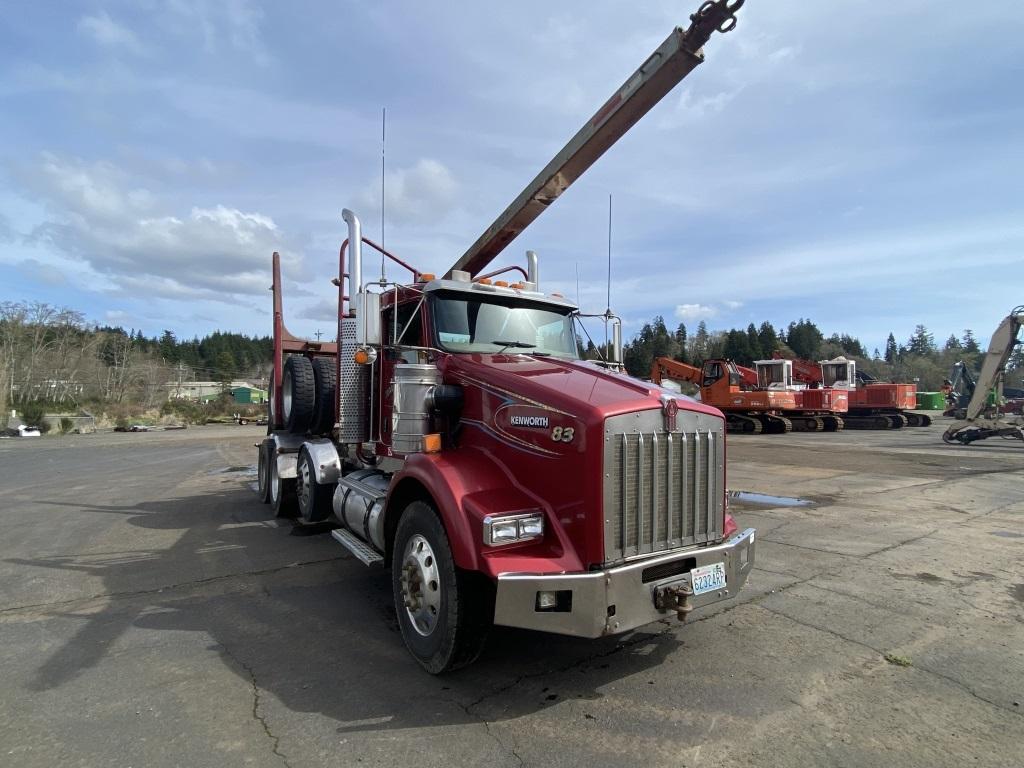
column 873, row 404
column 979, row 421
column 774, row 406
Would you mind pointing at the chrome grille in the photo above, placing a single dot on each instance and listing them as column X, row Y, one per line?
column 663, row 490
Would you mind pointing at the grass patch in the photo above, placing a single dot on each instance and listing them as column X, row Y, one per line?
column 899, row 661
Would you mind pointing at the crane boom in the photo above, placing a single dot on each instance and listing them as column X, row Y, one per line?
column 660, row 73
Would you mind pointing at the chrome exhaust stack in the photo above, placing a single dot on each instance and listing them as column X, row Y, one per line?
column 355, row 251
column 532, row 270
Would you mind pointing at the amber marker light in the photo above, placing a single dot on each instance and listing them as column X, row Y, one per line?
column 361, row 357
column 426, row 277
column 501, row 283
column 484, row 281
column 432, row 443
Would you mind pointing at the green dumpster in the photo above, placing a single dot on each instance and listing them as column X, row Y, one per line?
column 931, row 401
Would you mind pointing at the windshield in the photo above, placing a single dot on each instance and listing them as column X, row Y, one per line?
column 492, row 325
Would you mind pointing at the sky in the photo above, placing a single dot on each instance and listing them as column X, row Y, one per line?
column 859, row 164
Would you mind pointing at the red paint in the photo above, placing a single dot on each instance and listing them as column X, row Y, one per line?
column 499, row 468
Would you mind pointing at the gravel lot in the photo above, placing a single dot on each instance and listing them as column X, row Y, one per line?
column 153, row 613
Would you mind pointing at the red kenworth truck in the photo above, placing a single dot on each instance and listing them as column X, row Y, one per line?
column 453, row 435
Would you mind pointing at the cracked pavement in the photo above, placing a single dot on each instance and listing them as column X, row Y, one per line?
column 153, row 613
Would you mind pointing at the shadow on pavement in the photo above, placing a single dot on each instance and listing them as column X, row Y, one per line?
column 295, row 616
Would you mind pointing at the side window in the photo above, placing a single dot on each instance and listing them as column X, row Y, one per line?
column 410, row 329
column 712, row 373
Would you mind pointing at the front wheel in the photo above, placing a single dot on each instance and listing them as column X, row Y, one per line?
column 444, row 613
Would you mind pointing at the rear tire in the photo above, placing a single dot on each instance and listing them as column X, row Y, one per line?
column 282, row 493
column 263, row 471
column 298, row 394
column 313, row 499
column 444, row 613
column 326, row 386
column 272, row 422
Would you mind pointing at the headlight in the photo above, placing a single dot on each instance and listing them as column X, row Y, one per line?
column 512, row 529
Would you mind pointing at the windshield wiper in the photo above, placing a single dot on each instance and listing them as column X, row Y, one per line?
column 517, row 344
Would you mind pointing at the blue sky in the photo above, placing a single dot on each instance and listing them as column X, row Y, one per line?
column 856, row 163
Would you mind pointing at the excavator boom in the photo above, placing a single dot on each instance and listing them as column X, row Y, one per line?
column 999, row 350
column 660, row 73
column 973, row 427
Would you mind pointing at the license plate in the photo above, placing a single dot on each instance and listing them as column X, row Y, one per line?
column 708, row 578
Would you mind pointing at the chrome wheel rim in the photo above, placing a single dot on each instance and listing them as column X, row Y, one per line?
column 286, row 397
column 275, row 484
column 421, row 585
column 304, row 486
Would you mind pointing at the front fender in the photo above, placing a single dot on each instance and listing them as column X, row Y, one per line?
column 466, row 487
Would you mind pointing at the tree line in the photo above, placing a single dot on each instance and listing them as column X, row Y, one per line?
column 919, row 360
column 52, row 355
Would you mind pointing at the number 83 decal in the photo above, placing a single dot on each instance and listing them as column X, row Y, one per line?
column 563, row 434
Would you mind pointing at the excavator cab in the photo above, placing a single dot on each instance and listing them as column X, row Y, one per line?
column 714, row 370
column 839, row 373
column 774, row 374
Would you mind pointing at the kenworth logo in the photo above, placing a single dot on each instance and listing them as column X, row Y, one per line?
column 540, row 422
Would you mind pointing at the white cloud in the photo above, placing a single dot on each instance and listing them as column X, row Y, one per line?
column 47, row 274
column 420, row 193
column 732, row 304
column 695, row 311
column 325, row 310
column 128, row 235
column 106, row 32
column 232, row 23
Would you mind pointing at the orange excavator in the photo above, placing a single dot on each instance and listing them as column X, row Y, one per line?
column 772, row 405
column 873, row 404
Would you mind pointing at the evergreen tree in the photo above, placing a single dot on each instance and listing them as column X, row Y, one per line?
column 805, row 339
column 167, row 347
column 754, row 344
column 768, row 339
column 681, row 356
column 952, row 344
column 969, row 343
column 922, row 343
column 737, row 348
column 891, row 350
column 701, row 344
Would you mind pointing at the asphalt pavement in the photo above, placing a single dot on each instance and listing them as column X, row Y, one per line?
column 153, row 613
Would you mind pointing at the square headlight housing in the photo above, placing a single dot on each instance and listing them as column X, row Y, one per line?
column 500, row 530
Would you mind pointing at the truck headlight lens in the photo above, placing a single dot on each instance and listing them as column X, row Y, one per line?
column 511, row 529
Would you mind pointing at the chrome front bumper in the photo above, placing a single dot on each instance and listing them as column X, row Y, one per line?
column 616, row 600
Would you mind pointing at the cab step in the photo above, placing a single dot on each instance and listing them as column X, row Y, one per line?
column 363, row 552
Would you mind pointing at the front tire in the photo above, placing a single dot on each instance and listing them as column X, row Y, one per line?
column 444, row 613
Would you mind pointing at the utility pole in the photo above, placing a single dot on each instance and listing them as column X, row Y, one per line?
column 318, row 334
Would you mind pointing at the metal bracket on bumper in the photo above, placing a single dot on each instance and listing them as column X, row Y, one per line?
column 616, row 600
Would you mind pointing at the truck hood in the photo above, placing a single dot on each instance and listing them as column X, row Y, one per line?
column 578, row 387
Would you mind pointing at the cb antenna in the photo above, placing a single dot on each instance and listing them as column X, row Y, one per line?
column 608, row 306
column 383, row 138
